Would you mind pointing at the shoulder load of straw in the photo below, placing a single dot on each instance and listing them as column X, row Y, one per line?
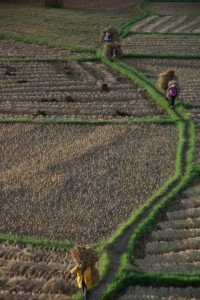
column 164, row 78
column 95, row 275
column 113, row 31
column 83, row 254
column 108, row 49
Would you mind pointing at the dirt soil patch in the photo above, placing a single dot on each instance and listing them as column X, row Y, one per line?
column 76, row 182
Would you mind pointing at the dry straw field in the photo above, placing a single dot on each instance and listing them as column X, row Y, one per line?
column 71, row 27
column 70, row 90
column 33, row 273
column 79, row 182
column 188, row 72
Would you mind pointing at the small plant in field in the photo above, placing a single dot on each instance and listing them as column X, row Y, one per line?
column 103, row 87
column 121, row 113
column 68, row 98
column 38, row 112
column 54, row 3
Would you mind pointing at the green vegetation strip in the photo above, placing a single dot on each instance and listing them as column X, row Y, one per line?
column 142, row 14
column 185, row 173
column 160, row 280
column 163, row 33
column 127, row 275
column 48, row 244
column 142, row 80
column 94, row 122
column 48, row 60
column 163, row 55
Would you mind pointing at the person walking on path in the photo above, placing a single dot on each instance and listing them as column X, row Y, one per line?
column 172, row 92
column 84, row 278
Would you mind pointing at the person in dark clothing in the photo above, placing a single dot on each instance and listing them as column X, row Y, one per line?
column 172, row 92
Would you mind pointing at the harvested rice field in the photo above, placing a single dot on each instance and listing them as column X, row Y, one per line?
column 128, row 8
column 175, row 8
column 170, row 24
column 17, row 49
column 66, row 26
column 174, row 244
column 71, row 90
column 187, row 70
column 33, row 273
column 165, row 44
column 75, row 183
column 195, row 114
column 157, row 293
column 79, row 182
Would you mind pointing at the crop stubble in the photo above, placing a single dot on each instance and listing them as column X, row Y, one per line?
column 175, row 8
column 79, row 182
column 186, row 70
column 165, row 44
column 47, row 87
column 35, row 273
column 71, row 27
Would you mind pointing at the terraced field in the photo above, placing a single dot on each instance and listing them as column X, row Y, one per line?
column 165, row 44
column 17, row 49
column 33, row 273
column 70, row 90
column 75, row 182
column 175, row 8
column 195, row 114
column 188, row 73
column 175, row 244
column 79, row 182
column 187, row 70
column 168, row 24
column 64, row 26
column 164, row 293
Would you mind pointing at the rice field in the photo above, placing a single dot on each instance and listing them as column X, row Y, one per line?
column 174, row 245
column 169, row 24
column 30, row 273
column 80, row 182
column 175, row 8
column 71, row 90
column 66, row 26
column 186, row 70
column 157, row 44
column 76, row 182
column 164, row 293
column 18, row 49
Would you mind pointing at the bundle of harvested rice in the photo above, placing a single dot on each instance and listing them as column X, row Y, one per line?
column 113, row 31
column 164, row 78
column 112, row 48
column 83, row 254
column 95, row 275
